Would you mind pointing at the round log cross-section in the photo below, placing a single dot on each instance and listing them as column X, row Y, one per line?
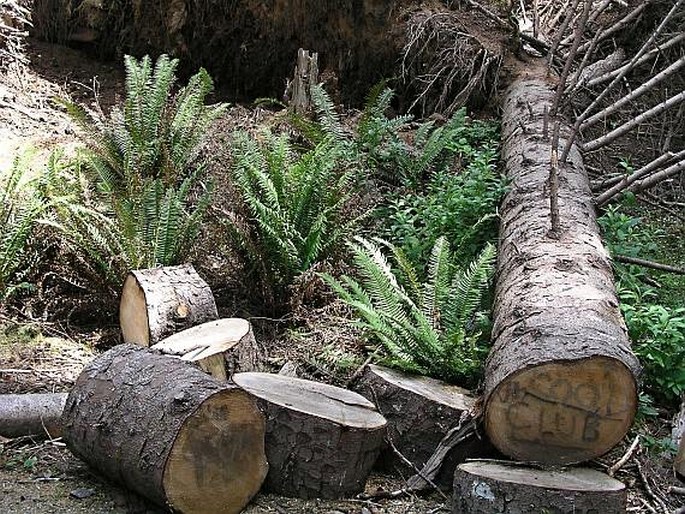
column 492, row 488
column 158, row 302
column 321, row 441
column 560, row 381
column 190, row 442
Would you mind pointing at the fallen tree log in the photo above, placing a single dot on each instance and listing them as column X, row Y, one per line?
column 321, row 440
column 167, row 430
column 497, row 488
column 31, row 414
column 158, row 302
column 560, row 381
column 220, row 347
column 420, row 411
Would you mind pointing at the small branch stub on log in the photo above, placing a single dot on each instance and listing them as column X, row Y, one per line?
column 420, row 411
column 321, row 441
column 187, row 442
column 31, row 414
column 560, row 381
column 158, row 302
column 220, row 347
column 494, row 488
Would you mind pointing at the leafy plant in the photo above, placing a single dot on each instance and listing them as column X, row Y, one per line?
column 22, row 205
column 295, row 203
column 425, row 327
column 135, row 197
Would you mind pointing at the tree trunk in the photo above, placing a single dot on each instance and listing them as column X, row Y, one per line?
column 167, row 431
column 560, row 382
column 31, row 414
column 420, row 411
column 220, row 347
column 321, row 441
column 158, row 302
column 492, row 488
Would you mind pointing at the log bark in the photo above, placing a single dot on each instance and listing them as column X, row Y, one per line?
column 220, row 348
column 156, row 303
column 679, row 462
column 189, row 442
column 560, row 381
column 321, row 441
column 420, row 411
column 493, row 488
column 31, row 414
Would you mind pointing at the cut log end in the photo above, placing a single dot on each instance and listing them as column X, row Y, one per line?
column 197, row 474
column 133, row 313
column 562, row 412
column 488, row 487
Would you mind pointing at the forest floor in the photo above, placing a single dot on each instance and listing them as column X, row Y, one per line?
column 38, row 356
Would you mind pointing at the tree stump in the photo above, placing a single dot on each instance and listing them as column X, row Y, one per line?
column 492, row 488
column 305, row 76
column 420, row 411
column 31, row 414
column 220, row 347
column 158, row 302
column 167, row 430
column 321, row 441
column 560, row 381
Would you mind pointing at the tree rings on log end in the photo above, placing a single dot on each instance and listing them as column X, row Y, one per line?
column 214, row 465
column 562, row 412
column 321, row 440
column 494, row 488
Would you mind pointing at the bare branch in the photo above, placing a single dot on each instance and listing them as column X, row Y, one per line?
column 649, row 264
column 568, row 16
column 646, row 57
column 630, row 125
column 655, row 179
column 626, row 182
column 650, row 84
column 620, row 24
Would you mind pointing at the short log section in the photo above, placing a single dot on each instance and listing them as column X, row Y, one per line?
column 31, row 414
column 560, row 381
column 321, row 441
column 168, row 431
column 420, row 411
column 679, row 462
column 158, row 302
column 220, row 348
column 492, row 488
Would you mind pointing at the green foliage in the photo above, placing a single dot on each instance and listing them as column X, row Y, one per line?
column 425, row 327
column 458, row 205
column 22, row 205
column 295, row 202
column 135, row 197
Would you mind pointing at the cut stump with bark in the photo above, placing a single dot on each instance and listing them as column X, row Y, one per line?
column 560, row 381
column 220, row 348
column 158, row 302
column 321, row 440
column 31, row 414
column 493, row 488
column 167, row 430
column 420, row 411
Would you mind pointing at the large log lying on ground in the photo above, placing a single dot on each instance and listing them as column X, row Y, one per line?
column 560, row 380
column 420, row 411
column 321, row 441
column 220, row 347
column 167, row 430
column 31, row 414
column 158, row 302
column 494, row 488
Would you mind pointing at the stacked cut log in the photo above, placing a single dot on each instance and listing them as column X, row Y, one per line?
column 220, row 347
column 31, row 414
column 420, row 412
column 560, row 382
column 498, row 488
column 321, row 441
column 158, row 302
column 167, row 430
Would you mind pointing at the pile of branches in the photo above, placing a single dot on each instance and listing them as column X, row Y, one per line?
column 15, row 17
